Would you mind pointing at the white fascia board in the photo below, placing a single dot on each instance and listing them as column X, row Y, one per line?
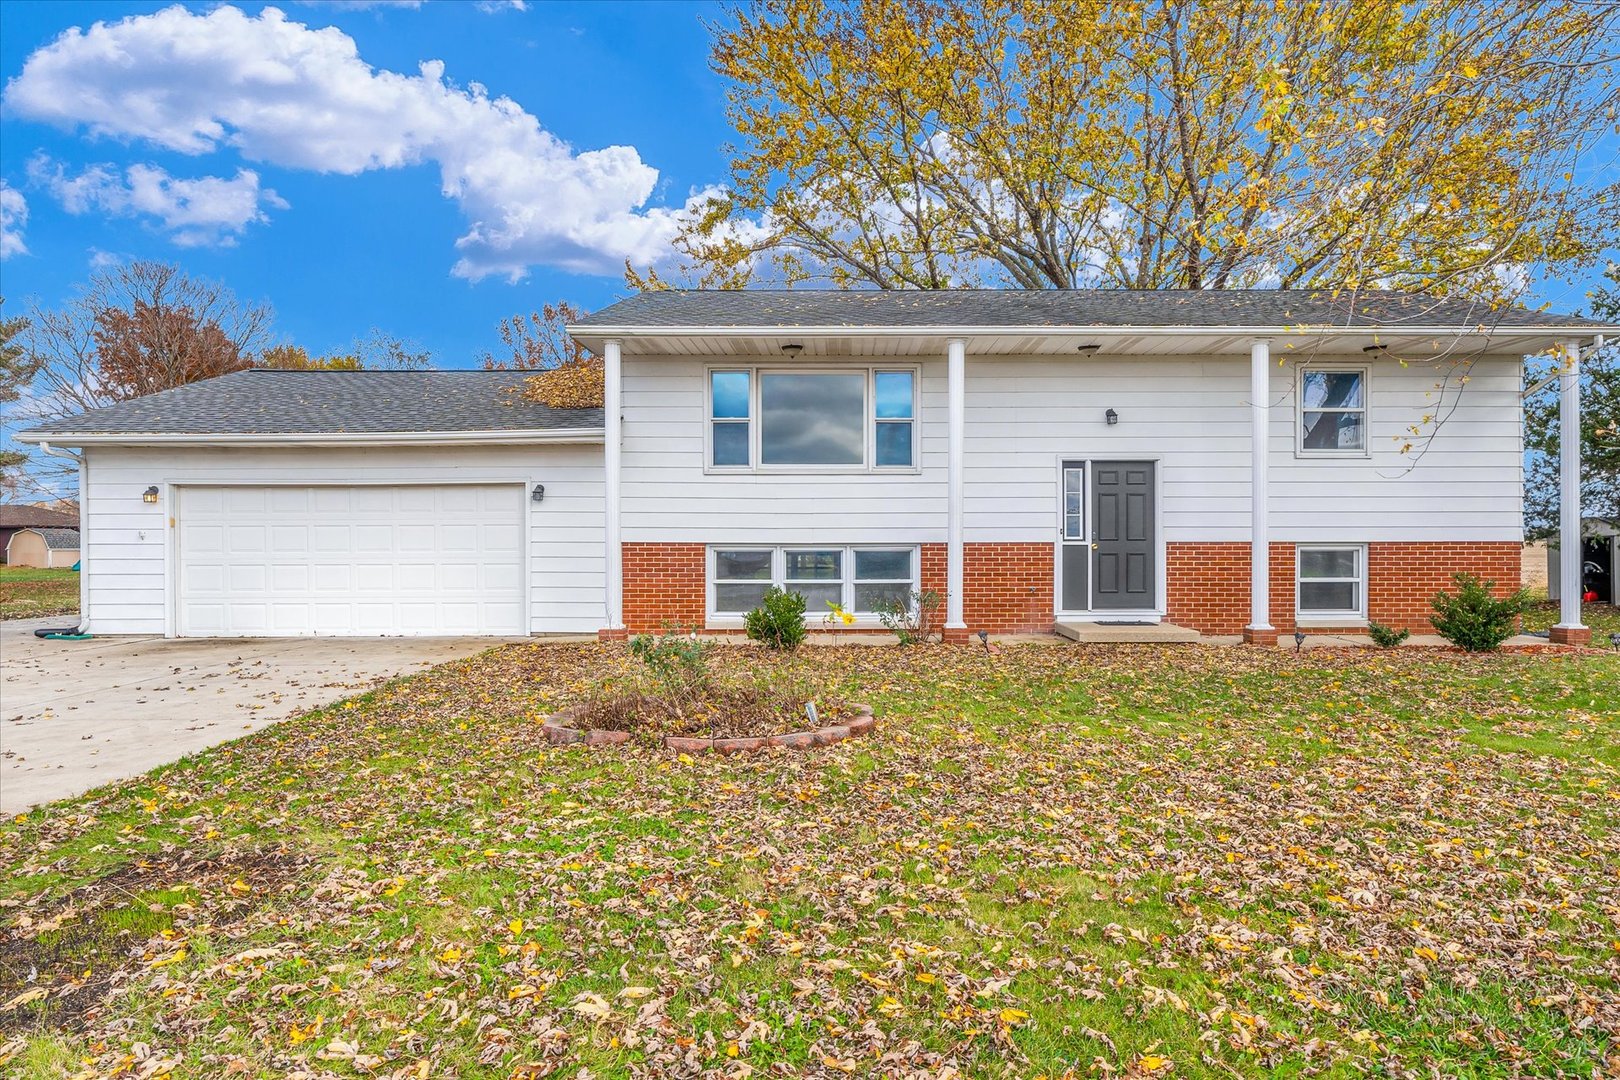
column 1561, row 333
column 318, row 438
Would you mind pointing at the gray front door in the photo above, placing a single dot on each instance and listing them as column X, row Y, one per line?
column 1123, row 545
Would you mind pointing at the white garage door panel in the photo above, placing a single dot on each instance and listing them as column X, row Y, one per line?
column 363, row 560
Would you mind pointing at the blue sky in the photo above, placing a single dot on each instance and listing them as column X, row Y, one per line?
column 350, row 240
column 547, row 143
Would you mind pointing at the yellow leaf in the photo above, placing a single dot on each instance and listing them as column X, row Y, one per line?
column 1152, row 1062
column 173, row 958
column 1013, row 1017
column 516, row 926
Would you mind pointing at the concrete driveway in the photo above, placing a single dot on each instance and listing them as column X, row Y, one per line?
column 78, row 714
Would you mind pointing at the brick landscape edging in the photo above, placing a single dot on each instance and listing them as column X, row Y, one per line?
column 559, row 733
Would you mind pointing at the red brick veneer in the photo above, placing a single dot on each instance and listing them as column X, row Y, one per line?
column 1009, row 586
column 1208, row 584
column 664, row 583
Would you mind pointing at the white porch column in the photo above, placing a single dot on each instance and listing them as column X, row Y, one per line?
column 1569, row 629
column 612, row 448
column 956, row 387
column 1259, row 629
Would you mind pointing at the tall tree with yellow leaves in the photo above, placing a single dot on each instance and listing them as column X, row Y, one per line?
column 1040, row 144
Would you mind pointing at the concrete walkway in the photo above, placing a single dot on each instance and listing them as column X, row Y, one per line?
column 78, row 714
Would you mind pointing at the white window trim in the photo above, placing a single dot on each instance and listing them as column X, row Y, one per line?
column 869, row 409
column 716, row 620
column 1365, row 371
column 1331, row 618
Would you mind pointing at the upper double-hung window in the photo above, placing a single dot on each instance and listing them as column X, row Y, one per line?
column 837, row 420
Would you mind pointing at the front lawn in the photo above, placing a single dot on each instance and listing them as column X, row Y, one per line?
column 27, row 592
column 1086, row 860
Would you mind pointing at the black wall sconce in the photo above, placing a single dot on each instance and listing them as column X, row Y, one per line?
column 150, row 495
column 1112, row 417
column 539, row 493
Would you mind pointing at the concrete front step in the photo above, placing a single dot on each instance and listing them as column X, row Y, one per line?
column 1145, row 634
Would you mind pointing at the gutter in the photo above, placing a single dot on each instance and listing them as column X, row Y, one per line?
column 1071, row 331
column 315, row 438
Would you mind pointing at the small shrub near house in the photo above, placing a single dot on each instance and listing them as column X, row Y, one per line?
column 1386, row 637
column 1473, row 618
column 914, row 620
column 778, row 622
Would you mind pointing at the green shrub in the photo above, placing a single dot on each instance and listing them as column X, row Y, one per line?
column 676, row 657
column 778, row 622
column 913, row 620
column 1473, row 619
column 1386, row 637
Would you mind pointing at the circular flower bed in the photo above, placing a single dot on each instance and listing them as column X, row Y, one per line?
column 856, row 719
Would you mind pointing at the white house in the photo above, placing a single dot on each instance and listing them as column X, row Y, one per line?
column 1232, row 462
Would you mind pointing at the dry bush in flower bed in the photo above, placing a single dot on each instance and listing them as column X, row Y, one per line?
column 673, row 694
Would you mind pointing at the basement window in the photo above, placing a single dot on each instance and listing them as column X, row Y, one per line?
column 858, row 579
column 1331, row 583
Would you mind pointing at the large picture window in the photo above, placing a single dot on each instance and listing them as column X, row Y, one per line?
column 1331, row 582
column 1333, row 412
column 837, row 420
column 857, row 579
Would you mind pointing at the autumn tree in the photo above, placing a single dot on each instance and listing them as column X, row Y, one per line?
column 1600, row 427
column 297, row 358
column 566, row 375
column 135, row 329
column 539, row 340
column 1049, row 144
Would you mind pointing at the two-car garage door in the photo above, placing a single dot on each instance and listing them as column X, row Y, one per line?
column 359, row 560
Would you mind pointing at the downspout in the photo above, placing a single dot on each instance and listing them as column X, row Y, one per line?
column 83, row 469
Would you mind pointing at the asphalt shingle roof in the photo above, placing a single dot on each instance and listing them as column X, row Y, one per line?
column 1238, row 308
column 15, row 516
column 260, row 401
column 59, row 539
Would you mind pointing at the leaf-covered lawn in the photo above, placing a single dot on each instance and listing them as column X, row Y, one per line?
column 1604, row 619
column 27, row 592
column 1169, row 861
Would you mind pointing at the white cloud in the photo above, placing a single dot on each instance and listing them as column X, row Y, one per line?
column 280, row 92
column 206, row 211
column 493, row 7
column 363, row 5
column 13, row 216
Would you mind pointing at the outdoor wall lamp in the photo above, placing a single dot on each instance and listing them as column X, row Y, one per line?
column 150, row 495
column 1112, row 417
column 1088, row 349
column 793, row 348
column 539, row 493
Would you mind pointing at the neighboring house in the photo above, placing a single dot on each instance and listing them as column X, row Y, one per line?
column 1234, row 462
column 14, row 516
column 49, row 549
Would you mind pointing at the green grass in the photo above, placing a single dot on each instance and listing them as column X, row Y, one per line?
column 27, row 592
column 1172, row 861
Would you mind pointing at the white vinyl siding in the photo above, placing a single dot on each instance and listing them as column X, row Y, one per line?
column 127, row 556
